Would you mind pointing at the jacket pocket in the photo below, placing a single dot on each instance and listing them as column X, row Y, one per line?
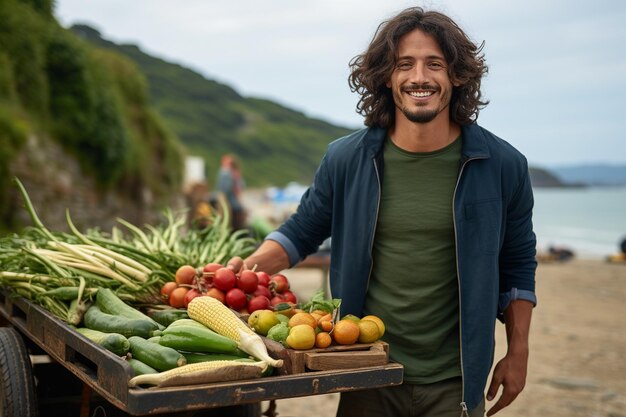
column 484, row 218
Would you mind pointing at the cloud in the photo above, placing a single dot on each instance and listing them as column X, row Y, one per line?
column 556, row 68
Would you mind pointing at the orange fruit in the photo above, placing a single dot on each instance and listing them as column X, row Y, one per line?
column 322, row 340
column 325, row 317
column 378, row 321
column 368, row 331
column 346, row 332
column 302, row 318
column 316, row 315
column 325, row 325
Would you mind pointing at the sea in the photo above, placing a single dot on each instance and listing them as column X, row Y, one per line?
column 590, row 221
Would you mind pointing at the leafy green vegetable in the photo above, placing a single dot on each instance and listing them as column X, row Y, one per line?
column 319, row 302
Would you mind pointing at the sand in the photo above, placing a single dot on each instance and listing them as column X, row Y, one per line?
column 578, row 345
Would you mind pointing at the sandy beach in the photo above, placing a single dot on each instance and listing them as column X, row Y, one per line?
column 578, row 345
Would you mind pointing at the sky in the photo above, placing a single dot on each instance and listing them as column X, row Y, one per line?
column 557, row 69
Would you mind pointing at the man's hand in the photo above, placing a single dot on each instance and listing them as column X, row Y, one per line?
column 270, row 257
column 510, row 372
column 236, row 264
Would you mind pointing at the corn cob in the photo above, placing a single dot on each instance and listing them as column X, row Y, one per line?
column 221, row 319
column 202, row 373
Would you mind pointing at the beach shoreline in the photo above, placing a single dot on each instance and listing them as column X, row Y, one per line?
column 577, row 344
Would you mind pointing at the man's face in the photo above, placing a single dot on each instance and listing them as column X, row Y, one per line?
column 420, row 83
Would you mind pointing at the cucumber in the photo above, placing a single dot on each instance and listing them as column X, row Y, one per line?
column 112, row 304
column 96, row 319
column 161, row 358
column 193, row 357
column 113, row 342
column 140, row 368
column 196, row 338
column 168, row 316
column 68, row 293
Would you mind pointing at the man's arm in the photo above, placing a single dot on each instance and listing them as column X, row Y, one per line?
column 270, row 257
column 510, row 372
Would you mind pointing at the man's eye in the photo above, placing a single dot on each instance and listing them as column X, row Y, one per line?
column 404, row 65
column 436, row 65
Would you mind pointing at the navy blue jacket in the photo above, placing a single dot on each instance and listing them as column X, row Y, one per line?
column 495, row 243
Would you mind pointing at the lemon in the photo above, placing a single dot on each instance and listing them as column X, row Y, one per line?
column 301, row 336
column 262, row 321
column 368, row 331
column 378, row 321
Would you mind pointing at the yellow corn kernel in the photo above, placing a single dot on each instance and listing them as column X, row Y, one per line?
column 216, row 316
column 221, row 319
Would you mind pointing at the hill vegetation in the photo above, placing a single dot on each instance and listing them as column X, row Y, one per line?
column 91, row 101
column 275, row 144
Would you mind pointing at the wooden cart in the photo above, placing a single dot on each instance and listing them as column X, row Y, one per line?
column 29, row 329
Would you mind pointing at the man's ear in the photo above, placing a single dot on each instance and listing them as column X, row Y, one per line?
column 388, row 84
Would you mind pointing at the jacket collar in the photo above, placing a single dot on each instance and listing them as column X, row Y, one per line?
column 474, row 141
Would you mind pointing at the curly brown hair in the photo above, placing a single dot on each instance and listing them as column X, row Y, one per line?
column 371, row 70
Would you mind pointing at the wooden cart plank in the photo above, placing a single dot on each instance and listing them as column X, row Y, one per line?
column 108, row 375
column 158, row 400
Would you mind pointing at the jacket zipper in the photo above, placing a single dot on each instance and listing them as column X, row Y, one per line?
column 458, row 277
column 369, row 275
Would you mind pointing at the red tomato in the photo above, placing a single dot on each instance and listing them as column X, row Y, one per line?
column 264, row 278
column 177, row 297
column 224, row 279
column 185, row 274
column 217, row 294
column 279, row 283
column 290, row 296
column 278, row 299
column 191, row 294
column 236, row 299
column 260, row 302
column 248, row 281
column 167, row 288
column 261, row 290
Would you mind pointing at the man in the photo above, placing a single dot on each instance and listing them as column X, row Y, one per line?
column 430, row 217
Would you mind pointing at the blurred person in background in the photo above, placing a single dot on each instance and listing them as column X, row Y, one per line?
column 231, row 184
column 431, row 223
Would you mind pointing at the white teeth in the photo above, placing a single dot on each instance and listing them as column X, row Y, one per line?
column 420, row 93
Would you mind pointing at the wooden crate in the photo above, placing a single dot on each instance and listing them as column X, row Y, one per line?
column 358, row 355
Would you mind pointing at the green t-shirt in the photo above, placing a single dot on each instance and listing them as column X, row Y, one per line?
column 413, row 286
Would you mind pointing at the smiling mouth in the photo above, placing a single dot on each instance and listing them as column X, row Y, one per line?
column 420, row 94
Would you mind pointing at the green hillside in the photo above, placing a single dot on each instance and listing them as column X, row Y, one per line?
column 91, row 101
column 275, row 144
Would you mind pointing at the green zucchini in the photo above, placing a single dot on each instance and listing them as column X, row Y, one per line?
column 193, row 338
column 167, row 316
column 96, row 319
column 187, row 322
column 113, row 342
column 112, row 304
column 161, row 358
column 140, row 368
